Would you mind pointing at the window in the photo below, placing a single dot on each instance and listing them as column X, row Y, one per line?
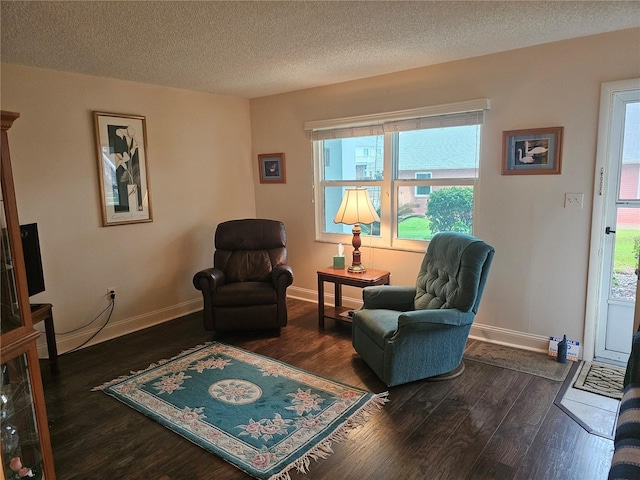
column 420, row 167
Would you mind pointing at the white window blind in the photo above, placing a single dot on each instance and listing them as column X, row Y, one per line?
column 449, row 115
column 348, row 132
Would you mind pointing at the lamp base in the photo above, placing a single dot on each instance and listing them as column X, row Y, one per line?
column 356, row 266
column 357, row 269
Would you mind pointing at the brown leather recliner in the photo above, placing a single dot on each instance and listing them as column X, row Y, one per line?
column 246, row 288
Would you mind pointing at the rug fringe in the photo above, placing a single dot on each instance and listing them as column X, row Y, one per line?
column 109, row 383
column 323, row 449
column 122, row 378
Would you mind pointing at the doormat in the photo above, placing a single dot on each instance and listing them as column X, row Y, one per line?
column 261, row 415
column 534, row 363
column 601, row 378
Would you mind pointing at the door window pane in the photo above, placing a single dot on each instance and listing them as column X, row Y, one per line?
column 630, row 174
column 625, row 260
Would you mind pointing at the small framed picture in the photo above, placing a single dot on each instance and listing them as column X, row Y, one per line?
column 121, row 143
column 272, row 168
column 532, row 152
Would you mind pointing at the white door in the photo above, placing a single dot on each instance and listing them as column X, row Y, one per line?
column 616, row 222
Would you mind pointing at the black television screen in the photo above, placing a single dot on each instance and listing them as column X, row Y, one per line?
column 32, row 258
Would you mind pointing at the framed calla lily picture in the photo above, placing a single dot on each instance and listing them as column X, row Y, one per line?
column 532, row 152
column 123, row 166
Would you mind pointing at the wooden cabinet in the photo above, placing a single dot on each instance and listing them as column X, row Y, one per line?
column 24, row 433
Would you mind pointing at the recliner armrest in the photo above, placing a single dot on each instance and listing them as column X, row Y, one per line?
column 282, row 276
column 435, row 319
column 209, row 279
column 388, row 297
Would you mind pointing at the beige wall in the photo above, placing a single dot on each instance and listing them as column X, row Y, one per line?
column 203, row 168
column 537, row 285
column 201, row 173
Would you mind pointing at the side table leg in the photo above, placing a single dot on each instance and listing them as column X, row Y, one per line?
column 320, row 302
column 51, row 342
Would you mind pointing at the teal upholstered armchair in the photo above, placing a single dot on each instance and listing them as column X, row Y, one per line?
column 410, row 333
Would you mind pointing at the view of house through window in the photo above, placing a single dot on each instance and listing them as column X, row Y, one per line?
column 442, row 199
column 420, row 180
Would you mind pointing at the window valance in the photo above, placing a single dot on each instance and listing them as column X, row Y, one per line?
column 449, row 115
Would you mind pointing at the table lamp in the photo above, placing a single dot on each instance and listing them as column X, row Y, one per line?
column 356, row 208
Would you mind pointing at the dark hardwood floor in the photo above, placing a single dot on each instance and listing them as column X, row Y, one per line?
column 489, row 423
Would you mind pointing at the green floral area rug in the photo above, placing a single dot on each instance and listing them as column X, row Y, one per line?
column 261, row 415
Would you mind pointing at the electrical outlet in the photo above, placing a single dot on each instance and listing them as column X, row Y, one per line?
column 573, row 200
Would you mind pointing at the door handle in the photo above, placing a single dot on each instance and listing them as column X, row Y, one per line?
column 608, row 230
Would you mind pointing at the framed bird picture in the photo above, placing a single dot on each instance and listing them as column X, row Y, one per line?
column 272, row 168
column 535, row 151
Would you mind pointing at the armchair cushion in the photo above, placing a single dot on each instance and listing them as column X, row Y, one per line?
column 378, row 325
column 247, row 251
column 434, row 319
column 246, row 266
column 245, row 293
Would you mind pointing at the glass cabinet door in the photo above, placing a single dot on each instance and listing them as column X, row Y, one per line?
column 20, row 439
column 15, row 322
column 10, row 318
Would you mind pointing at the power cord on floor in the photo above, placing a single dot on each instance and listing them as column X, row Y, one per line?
column 112, row 304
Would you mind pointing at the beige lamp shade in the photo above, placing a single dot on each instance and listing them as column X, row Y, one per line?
column 356, row 207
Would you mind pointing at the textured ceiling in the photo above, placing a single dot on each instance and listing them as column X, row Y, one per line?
column 252, row 49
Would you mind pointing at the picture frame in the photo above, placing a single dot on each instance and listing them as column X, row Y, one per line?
column 536, row 151
column 272, row 168
column 123, row 168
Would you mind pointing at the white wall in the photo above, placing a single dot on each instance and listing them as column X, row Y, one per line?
column 537, row 286
column 201, row 173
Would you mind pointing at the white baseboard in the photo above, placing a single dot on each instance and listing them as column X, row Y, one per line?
column 119, row 328
column 509, row 338
column 486, row 333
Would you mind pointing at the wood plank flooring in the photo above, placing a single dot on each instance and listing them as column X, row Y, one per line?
column 489, row 423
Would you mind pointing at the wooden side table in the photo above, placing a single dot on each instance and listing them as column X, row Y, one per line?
column 41, row 312
column 341, row 277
